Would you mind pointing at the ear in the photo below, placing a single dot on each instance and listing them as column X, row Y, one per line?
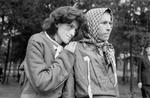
column 57, row 25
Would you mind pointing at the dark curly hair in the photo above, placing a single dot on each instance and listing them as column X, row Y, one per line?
column 65, row 14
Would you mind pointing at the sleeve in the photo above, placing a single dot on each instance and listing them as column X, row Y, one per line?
column 68, row 90
column 139, row 70
column 41, row 77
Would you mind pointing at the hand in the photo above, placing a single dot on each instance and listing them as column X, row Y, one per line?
column 140, row 85
column 71, row 46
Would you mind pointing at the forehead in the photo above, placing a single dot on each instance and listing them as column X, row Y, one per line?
column 97, row 18
column 75, row 23
column 106, row 16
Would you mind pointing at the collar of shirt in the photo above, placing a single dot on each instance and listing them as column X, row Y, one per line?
column 56, row 46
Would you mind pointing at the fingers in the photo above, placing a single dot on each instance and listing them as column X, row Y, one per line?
column 71, row 46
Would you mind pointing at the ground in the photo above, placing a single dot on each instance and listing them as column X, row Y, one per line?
column 9, row 90
column 12, row 90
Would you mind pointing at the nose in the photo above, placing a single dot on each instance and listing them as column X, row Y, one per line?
column 108, row 27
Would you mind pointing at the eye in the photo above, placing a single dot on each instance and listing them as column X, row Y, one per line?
column 110, row 23
column 104, row 22
column 72, row 26
column 107, row 22
column 69, row 26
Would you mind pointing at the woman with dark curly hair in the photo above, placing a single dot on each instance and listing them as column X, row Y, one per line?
column 47, row 71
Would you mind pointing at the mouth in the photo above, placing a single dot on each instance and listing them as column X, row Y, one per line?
column 69, row 37
column 106, row 34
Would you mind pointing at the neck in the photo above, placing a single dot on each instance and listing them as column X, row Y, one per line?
column 54, row 38
column 57, row 39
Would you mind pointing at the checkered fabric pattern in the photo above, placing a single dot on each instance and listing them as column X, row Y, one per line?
column 94, row 19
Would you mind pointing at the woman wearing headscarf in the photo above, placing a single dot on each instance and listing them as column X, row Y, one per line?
column 95, row 67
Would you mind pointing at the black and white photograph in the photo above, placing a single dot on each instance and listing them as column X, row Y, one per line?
column 74, row 48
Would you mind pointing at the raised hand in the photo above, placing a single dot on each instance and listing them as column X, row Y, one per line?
column 71, row 46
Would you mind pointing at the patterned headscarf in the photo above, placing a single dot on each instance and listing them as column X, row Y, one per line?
column 94, row 20
column 93, row 17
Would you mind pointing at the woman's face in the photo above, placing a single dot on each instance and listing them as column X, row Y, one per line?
column 105, row 27
column 66, row 32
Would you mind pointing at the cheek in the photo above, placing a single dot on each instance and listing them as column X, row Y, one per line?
column 101, row 28
column 101, row 31
column 59, row 31
column 62, row 32
column 100, row 34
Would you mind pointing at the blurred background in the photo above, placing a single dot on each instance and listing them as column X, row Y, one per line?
column 19, row 19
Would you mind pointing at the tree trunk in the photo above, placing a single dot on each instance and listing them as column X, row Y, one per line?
column 124, row 70
column 131, row 70
column 1, row 33
column 6, row 61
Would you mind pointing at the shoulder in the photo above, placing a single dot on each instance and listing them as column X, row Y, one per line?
column 40, row 40
column 37, row 37
column 74, row 46
column 79, row 45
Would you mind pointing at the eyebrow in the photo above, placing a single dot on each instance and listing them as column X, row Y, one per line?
column 74, row 24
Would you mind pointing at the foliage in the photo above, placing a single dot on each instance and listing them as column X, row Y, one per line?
column 26, row 17
column 135, row 24
column 131, row 22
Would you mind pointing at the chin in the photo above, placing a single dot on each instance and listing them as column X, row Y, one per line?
column 66, row 42
column 106, row 39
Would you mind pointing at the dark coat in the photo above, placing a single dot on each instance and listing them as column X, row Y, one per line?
column 144, row 71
